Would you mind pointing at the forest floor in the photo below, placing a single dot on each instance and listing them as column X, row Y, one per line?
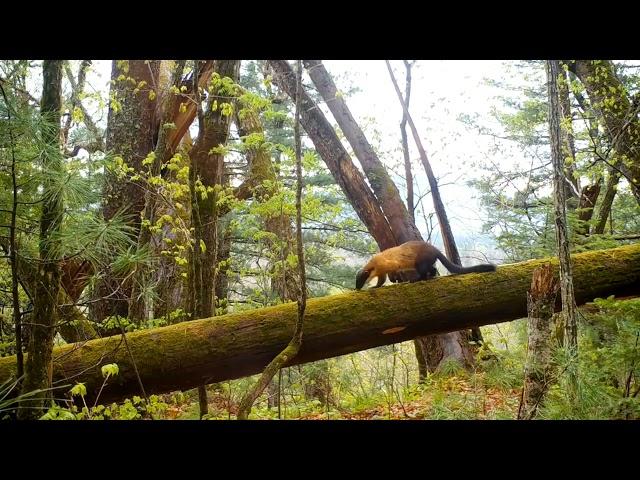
column 450, row 398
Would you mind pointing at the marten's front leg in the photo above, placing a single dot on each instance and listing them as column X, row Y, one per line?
column 381, row 280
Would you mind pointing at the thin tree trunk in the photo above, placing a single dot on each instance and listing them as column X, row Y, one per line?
column 572, row 182
column 292, row 349
column 538, row 373
column 420, row 345
column 203, row 401
column 562, row 235
column 454, row 345
column 405, row 144
column 38, row 367
column 13, row 254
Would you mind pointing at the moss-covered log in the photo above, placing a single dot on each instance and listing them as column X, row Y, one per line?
column 211, row 350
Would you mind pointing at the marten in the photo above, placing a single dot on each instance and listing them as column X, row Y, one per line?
column 414, row 256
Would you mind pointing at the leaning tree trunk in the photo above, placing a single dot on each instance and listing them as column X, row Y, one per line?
column 383, row 187
column 131, row 132
column 337, row 159
column 212, row 350
column 607, row 201
column 38, row 367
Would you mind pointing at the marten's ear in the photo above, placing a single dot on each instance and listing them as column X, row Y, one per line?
column 361, row 278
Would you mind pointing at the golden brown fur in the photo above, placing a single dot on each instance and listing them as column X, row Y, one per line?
column 415, row 256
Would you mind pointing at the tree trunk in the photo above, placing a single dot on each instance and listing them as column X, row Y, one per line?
column 138, row 304
column 38, row 367
column 560, row 215
column 405, row 144
column 421, row 345
column 293, row 347
column 207, row 168
column 572, row 182
column 607, row 201
column 588, row 198
column 383, row 187
column 13, row 246
column 205, row 183
column 131, row 132
column 203, row 401
column 538, row 373
column 261, row 171
column 456, row 344
column 212, row 350
column 337, row 159
column 610, row 100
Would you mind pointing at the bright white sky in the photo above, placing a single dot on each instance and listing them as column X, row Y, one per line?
column 441, row 91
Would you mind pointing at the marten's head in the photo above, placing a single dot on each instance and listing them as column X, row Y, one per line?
column 361, row 277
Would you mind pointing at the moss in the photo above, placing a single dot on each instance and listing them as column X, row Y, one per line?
column 184, row 355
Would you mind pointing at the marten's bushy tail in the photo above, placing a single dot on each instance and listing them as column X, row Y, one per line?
column 453, row 268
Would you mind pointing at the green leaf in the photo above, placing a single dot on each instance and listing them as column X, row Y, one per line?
column 110, row 369
column 78, row 389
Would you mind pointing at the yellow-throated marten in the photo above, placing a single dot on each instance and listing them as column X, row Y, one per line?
column 416, row 256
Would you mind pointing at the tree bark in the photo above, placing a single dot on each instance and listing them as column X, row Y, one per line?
column 588, row 198
column 38, row 366
column 138, row 306
column 131, row 130
column 607, row 201
column 405, row 144
column 538, row 372
column 337, row 159
column 456, row 344
column 212, row 350
column 572, row 182
column 560, row 216
column 207, row 168
column 610, row 100
column 383, row 187
column 13, row 246
column 183, row 119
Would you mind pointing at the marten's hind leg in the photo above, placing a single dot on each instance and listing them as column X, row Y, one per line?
column 426, row 269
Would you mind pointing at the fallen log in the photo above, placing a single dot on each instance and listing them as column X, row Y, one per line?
column 189, row 354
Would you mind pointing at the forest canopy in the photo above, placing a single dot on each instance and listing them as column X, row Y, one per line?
column 140, row 197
